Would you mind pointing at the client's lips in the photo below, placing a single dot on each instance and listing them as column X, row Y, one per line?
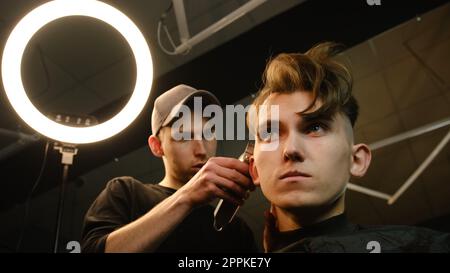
column 199, row 165
column 294, row 174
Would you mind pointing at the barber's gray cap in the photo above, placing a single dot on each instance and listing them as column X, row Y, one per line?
column 174, row 98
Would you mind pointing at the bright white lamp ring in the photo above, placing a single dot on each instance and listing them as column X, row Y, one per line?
column 38, row 18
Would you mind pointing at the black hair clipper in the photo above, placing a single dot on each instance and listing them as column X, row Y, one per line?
column 225, row 211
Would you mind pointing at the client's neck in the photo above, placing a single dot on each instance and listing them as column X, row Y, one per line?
column 303, row 217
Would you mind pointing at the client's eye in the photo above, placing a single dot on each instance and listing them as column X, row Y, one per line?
column 316, row 129
column 268, row 134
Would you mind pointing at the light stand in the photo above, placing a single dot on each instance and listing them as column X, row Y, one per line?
column 68, row 151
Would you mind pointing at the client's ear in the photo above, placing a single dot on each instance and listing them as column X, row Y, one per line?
column 361, row 157
column 254, row 171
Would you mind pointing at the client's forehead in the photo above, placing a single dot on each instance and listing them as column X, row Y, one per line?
column 291, row 106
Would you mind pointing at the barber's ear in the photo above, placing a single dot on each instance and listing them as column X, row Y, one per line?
column 253, row 171
column 360, row 160
column 155, row 145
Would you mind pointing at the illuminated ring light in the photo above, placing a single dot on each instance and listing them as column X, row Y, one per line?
column 38, row 18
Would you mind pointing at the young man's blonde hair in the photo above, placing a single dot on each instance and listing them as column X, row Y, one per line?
column 315, row 71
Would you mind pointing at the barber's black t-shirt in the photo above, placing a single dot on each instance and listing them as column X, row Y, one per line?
column 125, row 199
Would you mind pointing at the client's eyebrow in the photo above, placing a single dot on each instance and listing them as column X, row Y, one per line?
column 315, row 116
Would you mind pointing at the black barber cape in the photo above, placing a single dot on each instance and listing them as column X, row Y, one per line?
column 337, row 234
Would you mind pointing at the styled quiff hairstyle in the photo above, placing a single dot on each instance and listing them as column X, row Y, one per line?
column 315, row 71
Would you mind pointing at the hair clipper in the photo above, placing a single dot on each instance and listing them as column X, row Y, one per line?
column 225, row 211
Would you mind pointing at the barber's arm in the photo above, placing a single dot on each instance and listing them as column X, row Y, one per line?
column 220, row 177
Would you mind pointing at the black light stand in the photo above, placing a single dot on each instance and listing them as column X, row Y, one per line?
column 68, row 151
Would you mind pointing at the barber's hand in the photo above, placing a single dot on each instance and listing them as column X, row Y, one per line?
column 270, row 230
column 220, row 177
